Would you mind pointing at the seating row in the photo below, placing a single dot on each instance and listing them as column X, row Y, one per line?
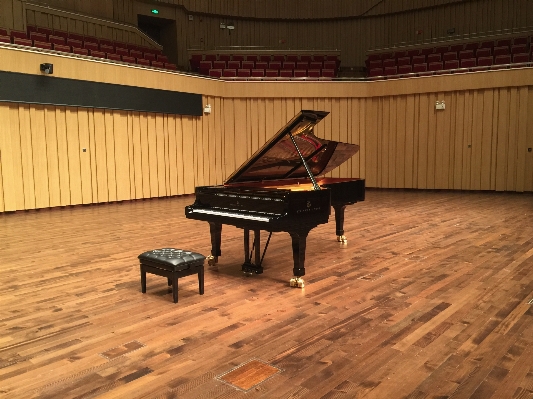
column 284, row 73
column 513, row 44
column 199, row 62
column 450, row 55
column 205, row 66
column 481, row 63
column 157, row 61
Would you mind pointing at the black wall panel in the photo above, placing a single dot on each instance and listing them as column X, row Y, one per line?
column 50, row 90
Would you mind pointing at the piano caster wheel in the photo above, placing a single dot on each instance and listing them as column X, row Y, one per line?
column 212, row 260
column 297, row 282
column 342, row 239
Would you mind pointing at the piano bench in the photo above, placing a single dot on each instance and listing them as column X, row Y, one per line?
column 172, row 263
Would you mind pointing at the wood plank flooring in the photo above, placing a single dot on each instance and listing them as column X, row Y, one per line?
column 429, row 299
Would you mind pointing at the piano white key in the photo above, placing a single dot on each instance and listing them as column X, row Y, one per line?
column 231, row 214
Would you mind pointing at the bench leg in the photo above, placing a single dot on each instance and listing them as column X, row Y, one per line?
column 143, row 280
column 201, row 280
column 175, row 289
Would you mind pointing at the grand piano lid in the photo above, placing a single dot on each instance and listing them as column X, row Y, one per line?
column 279, row 159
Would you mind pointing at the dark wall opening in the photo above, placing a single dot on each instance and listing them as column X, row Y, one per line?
column 163, row 31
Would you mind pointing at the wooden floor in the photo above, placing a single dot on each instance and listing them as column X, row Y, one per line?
column 429, row 299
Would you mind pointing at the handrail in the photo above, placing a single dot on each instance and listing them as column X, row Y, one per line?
column 498, row 34
column 122, row 25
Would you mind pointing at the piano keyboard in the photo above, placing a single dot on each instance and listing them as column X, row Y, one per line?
column 232, row 215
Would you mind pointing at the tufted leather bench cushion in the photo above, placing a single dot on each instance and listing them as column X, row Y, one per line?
column 172, row 259
column 172, row 263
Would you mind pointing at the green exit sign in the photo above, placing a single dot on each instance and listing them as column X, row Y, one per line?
column 154, row 11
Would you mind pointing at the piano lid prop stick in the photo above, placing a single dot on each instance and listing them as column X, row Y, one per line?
column 315, row 184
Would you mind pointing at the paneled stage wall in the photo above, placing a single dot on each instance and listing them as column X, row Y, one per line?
column 56, row 155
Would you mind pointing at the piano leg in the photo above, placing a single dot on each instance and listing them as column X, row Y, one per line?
column 299, row 240
column 216, row 237
column 248, row 267
column 339, row 223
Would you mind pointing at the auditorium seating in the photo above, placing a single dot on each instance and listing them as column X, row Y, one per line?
column 485, row 54
column 253, row 66
column 70, row 42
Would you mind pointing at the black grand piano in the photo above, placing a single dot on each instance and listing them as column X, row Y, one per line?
column 278, row 189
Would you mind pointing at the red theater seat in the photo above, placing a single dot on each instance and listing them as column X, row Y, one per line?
column 274, row 65
column 107, row 49
column 435, row 66
column 442, row 49
column 289, row 65
column 95, row 53
column 128, row 59
column 80, row 51
column 261, row 65
column 502, row 59
column 472, row 46
column 43, row 45
column 243, row 73
column 484, row 61
column 390, row 70
column 292, row 58
column 5, row 39
column 451, row 64
column 418, row 59
column 466, row 54
column 501, row 50
column 3, row 32
column 113, row 57
column 56, row 39
column 468, row 63
column 300, row 73
column 328, row 73
column 224, row 57
column 376, row 72
column 522, row 57
column 302, row 65
column 389, row 62
column 483, row 52
column 91, row 46
column 22, row 42
column 136, row 54
column 237, row 57
column 143, row 62
column 252, row 58
column 40, row 37
column 457, row 47
column 419, row 68
column 19, row 34
column 405, row 69
column 372, row 64
column 171, row 66
column 271, row 73
column 149, row 56
column 286, row 73
column 234, row 64
column 436, row 57
column 518, row 49
column 229, row 73
column 74, row 43
column 258, row 73
column 215, row 73
column 451, row 55
column 157, row 64
column 403, row 61
column 313, row 73
column 248, row 65
column 219, row 64
column 520, row 40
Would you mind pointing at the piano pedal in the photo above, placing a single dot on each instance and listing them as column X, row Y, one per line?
column 342, row 239
column 297, row 282
column 212, row 260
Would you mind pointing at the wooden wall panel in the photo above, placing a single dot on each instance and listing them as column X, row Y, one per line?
column 479, row 142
